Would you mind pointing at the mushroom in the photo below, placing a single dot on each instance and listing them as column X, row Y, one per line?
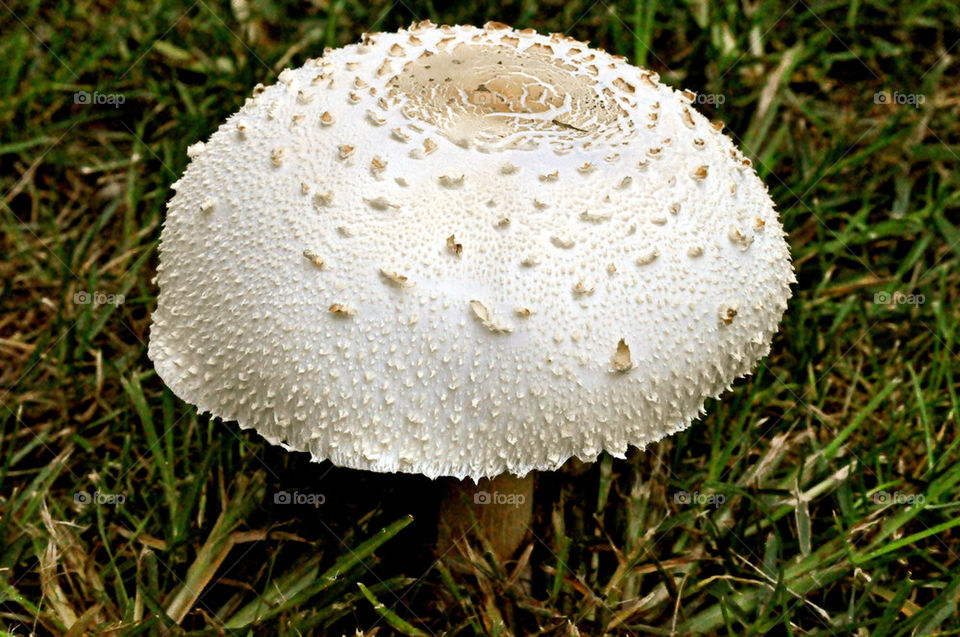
column 612, row 184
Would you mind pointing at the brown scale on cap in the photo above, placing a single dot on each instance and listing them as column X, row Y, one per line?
column 340, row 309
column 313, row 258
column 582, row 288
column 396, row 279
column 727, row 314
column 377, row 165
column 482, row 313
column 648, row 256
column 621, row 358
column 452, row 181
column 324, row 198
column 454, row 246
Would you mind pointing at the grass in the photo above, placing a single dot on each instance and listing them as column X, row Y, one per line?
column 820, row 496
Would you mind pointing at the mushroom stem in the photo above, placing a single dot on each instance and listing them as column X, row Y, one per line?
column 498, row 509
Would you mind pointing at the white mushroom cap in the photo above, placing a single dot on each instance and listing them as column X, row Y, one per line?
column 466, row 251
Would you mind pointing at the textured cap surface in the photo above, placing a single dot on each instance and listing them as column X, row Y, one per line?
column 465, row 251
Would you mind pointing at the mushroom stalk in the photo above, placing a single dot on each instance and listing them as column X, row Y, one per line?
column 498, row 509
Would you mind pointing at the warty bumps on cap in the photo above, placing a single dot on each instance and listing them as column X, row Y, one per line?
column 466, row 251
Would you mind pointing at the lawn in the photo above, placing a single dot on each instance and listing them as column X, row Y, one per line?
column 821, row 495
